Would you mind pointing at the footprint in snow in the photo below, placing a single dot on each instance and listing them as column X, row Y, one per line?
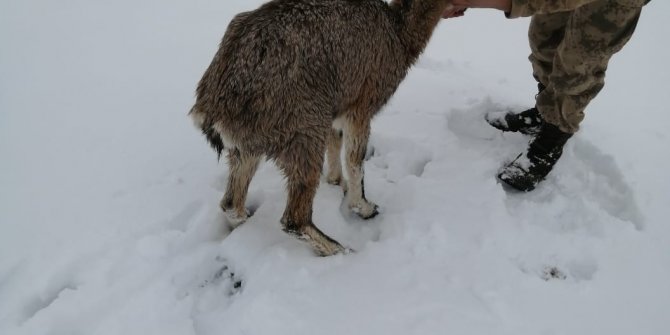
column 224, row 278
column 398, row 158
column 584, row 175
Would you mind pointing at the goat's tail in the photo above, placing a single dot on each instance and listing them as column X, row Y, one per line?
column 207, row 128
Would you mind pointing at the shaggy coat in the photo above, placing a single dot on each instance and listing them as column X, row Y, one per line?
column 295, row 78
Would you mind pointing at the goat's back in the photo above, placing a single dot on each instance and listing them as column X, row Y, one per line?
column 293, row 64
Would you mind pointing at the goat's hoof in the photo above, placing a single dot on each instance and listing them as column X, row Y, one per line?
column 321, row 244
column 236, row 219
column 325, row 250
column 366, row 210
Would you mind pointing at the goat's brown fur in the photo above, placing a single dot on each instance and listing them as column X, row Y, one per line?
column 285, row 72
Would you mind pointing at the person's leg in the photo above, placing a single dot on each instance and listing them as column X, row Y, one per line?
column 545, row 34
column 594, row 33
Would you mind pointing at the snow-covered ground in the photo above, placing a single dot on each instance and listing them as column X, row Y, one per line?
column 109, row 218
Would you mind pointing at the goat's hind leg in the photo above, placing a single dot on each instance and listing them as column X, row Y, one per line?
column 302, row 163
column 242, row 169
column 333, row 152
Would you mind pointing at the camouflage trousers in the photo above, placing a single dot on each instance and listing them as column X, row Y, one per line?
column 570, row 54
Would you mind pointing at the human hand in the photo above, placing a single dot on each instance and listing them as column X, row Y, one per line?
column 453, row 11
column 504, row 5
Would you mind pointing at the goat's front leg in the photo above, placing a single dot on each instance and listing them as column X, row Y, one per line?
column 357, row 133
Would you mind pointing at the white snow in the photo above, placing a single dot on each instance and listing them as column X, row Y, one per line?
column 109, row 218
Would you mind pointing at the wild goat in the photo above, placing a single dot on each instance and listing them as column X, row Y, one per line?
column 290, row 78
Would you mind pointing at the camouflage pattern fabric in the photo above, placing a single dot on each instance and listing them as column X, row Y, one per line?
column 571, row 51
column 522, row 8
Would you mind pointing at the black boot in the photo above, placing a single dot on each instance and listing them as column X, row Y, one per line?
column 532, row 166
column 527, row 122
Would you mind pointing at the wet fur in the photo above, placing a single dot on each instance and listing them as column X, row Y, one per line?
column 281, row 77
